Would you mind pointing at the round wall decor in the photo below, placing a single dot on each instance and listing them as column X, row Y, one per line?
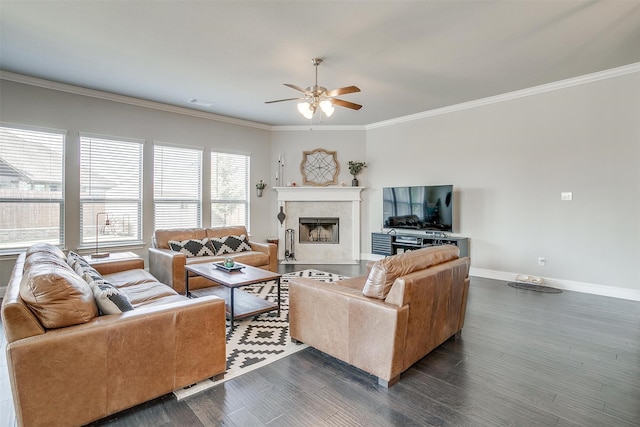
column 319, row 167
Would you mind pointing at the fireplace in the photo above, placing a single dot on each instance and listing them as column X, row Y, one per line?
column 319, row 230
column 330, row 245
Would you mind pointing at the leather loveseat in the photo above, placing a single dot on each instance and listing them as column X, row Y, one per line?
column 385, row 322
column 168, row 265
column 70, row 365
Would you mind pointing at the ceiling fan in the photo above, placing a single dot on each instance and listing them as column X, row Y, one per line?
column 317, row 96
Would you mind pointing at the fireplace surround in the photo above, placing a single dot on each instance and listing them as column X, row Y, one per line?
column 341, row 203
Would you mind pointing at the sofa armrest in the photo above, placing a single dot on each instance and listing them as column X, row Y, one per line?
column 270, row 249
column 340, row 321
column 116, row 361
column 168, row 267
column 119, row 265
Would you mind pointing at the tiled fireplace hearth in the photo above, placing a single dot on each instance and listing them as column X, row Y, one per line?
column 337, row 230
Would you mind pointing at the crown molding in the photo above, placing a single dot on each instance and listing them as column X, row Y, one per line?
column 561, row 84
column 300, row 128
column 107, row 96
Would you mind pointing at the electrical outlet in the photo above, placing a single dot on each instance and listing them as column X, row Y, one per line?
column 542, row 260
column 566, row 196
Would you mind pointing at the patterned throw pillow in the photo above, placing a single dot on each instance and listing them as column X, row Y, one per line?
column 193, row 247
column 82, row 267
column 230, row 244
column 109, row 299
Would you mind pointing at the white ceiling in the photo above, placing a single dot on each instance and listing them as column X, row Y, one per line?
column 407, row 57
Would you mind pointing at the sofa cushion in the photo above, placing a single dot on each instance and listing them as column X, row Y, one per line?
column 386, row 271
column 45, row 258
column 193, row 247
column 109, row 298
column 46, row 248
column 57, row 296
column 161, row 237
column 230, row 244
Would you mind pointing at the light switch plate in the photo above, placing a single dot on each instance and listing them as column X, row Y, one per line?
column 566, row 195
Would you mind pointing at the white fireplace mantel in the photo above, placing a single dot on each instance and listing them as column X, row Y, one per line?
column 288, row 195
column 318, row 194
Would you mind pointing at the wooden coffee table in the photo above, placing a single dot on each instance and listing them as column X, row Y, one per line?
column 239, row 305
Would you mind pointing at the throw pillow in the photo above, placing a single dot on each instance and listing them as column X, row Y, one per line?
column 230, row 244
column 110, row 300
column 192, row 247
column 82, row 267
column 57, row 296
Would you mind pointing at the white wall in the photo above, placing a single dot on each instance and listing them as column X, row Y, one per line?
column 36, row 106
column 349, row 144
column 510, row 161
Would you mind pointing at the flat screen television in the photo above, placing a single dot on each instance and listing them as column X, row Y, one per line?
column 419, row 208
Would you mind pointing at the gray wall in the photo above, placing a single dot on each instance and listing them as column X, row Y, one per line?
column 349, row 145
column 35, row 106
column 510, row 161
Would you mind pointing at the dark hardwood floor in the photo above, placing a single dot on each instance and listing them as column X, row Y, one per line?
column 524, row 359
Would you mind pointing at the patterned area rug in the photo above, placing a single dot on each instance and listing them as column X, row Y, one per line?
column 258, row 341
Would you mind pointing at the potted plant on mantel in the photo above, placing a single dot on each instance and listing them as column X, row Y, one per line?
column 259, row 187
column 354, row 169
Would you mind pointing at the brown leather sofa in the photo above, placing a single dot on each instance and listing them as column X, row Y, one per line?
column 102, row 364
column 168, row 265
column 385, row 322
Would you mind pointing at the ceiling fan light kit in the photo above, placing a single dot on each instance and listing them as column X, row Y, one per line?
column 317, row 96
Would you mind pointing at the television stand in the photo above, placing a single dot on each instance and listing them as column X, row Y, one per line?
column 391, row 244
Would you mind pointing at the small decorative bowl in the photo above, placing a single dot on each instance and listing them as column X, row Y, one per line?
column 229, row 262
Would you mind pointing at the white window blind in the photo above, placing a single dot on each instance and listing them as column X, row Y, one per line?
column 110, row 191
column 177, row 187
column 229, row 189
column 31, row 188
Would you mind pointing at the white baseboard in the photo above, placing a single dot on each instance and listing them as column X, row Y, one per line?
column 567, row 285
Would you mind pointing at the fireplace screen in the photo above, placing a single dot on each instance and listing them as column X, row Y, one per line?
column 319, row 230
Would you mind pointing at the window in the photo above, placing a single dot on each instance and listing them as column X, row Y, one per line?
column 31, row 187
column 229, row 189
column 110, row 191
column 177, row 187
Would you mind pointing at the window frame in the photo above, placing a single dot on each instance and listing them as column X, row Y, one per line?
column 246, row 202
column 198, row 201
column 85, row 243
column 23, row 244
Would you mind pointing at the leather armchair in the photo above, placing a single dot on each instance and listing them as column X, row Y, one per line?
column 423, row 306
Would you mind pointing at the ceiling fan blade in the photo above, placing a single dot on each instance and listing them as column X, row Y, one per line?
column 342, row 91
column 347, row 104
column 306, row 92
column 281, row 100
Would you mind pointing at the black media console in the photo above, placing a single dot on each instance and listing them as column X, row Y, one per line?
column 391, row 244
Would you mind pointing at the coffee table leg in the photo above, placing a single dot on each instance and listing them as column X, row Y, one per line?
column 278, row 281
column 186, row 284
column 231, row 309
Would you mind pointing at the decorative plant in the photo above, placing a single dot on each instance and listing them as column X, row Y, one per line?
column 261, row 185
column 356, row 167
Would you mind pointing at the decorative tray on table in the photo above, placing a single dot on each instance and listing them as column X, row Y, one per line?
column 236, row 267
